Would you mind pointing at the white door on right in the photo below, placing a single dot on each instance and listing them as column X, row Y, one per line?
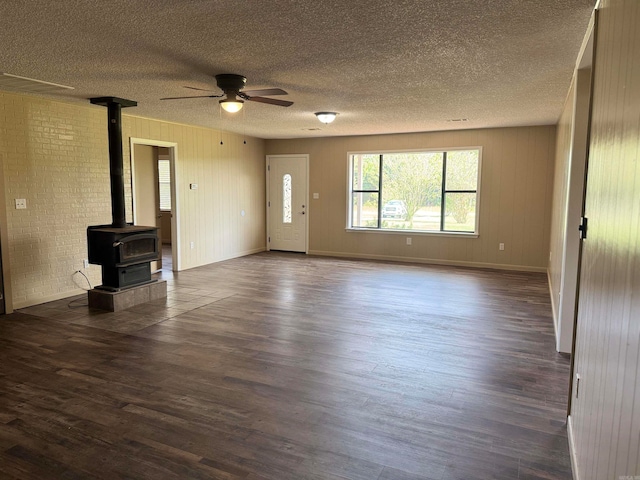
column 287, row 202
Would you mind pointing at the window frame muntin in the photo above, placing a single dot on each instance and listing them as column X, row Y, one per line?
column 352, row 191
column 452, row 233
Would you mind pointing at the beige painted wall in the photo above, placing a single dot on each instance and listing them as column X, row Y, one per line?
column 55, row 155
column 165, row 228
column 605, row 415
column 515, row 199
column 146, row 196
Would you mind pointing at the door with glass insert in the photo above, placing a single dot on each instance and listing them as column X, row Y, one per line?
column 287, row 203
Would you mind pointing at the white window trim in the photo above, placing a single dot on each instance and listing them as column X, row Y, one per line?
column 446, row 233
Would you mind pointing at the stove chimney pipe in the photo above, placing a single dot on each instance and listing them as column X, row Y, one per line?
column 114, row 107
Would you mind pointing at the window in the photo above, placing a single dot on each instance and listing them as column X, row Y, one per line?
column 286, row 198
column 429, row 191
column 164, row 179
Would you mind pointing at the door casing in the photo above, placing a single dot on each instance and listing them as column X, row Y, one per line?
column 305, row 158
column 175, row 219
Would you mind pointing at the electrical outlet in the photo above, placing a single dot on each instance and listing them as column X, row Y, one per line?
column 21, row 203
column 408, row 240
column 501, row 246
column 193, row 245
column 85, row 263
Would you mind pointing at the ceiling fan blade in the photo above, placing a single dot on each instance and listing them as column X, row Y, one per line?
column 271, row 101
column 198, row 96
column 199, row 89
column 264, row 92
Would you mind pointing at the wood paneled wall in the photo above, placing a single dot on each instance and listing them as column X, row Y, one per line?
column 605, row 417
column 515, row 198
column 55, row 155
column 230, row 179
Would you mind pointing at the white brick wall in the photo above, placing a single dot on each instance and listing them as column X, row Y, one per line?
column 55, row 156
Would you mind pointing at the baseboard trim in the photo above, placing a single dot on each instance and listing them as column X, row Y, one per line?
column 572, row 450
column 430, row 261
column 243, row 254
column 227, row 257
column 49, row 298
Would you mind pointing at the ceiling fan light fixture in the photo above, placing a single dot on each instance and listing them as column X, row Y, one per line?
column 326, row 117
column 232, row 106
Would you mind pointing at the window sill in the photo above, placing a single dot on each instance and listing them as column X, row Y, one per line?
column 413, row 232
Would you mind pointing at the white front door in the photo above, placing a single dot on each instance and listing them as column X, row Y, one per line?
column 287, row 202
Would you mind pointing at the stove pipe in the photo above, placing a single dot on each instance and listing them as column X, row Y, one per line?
column 116, row 170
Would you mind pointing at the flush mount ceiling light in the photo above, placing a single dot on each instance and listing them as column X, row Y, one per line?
column 231, row 104
column 326, row 117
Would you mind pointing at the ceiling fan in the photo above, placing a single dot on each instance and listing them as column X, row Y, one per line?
column 232, row 85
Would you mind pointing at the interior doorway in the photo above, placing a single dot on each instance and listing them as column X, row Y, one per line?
column 576, row 191
column 575, row 233
column 154, row 198
column 287, row 203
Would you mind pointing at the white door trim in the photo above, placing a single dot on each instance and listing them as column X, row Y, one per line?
column 175, row 217
column 268, row 193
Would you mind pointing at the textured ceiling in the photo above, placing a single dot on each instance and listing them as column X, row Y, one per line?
column 385, row 66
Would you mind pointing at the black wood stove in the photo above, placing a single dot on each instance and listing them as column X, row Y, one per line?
column 125, row 251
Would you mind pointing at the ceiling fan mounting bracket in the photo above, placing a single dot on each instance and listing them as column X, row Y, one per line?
column 230, row 82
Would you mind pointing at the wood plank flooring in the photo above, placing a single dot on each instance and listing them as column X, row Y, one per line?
column 282, row 366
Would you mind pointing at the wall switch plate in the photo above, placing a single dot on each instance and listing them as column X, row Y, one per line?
column 21, row 203
column 193, row 245
column 316, row 196
column 193, row 186
column 85, row 263
column 408, row 240
column 501, row 246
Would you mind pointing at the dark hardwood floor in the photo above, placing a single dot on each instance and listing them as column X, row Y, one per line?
column 282, row 366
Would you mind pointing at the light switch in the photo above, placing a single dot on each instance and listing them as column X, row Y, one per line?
column 316, row 196
column 193, row 186
column 21, row 203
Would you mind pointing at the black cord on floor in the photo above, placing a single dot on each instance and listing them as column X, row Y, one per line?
column 72, row 303
column 86, row 278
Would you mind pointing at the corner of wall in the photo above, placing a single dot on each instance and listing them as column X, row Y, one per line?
column 554, row 310
column 4, row 242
